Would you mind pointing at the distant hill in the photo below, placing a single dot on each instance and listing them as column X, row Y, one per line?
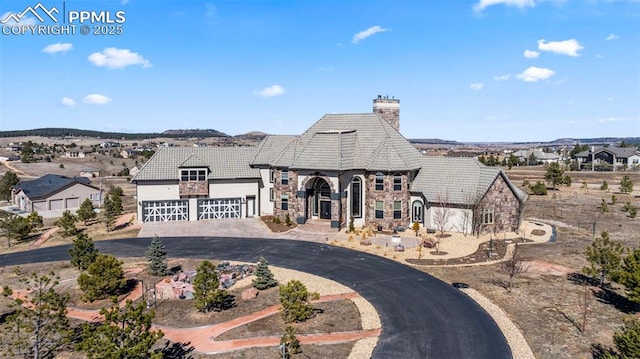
column 194, row 133
column 253, row 135
column 72, row 132
column 433, row 141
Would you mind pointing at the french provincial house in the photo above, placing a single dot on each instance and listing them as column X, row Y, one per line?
column 344, row 166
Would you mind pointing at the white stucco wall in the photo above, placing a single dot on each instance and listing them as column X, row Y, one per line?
column 457, row 221
column 266, row 206
column 345, row 181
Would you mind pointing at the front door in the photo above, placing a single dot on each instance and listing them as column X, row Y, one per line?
column 251, row 206
column 325, row 209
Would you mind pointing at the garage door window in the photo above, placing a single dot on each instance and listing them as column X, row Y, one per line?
column 165, row 211
column 219, row 208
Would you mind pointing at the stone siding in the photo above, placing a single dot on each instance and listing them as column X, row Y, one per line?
column 388, row 196
column 193, row 188
column 279, row 189
column 507, row 208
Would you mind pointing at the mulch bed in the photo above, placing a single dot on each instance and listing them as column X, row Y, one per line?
column 481, row 255
column 331, row 317
column 277, row 227
column 538, row 232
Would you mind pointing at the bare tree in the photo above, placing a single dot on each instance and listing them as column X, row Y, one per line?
column 441, row 216
column 442, row 213
column 585, row 301
column 513, row 267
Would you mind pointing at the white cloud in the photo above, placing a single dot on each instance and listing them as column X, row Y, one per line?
column 611, row 37
column 115, row 58
column 535, row 74
column 483, row 4
column 27, row 20
column 504, row 77
column 68, row 102
column 58, row 47
column 608, row 119
column 271, row 91
column 530, row 54
column 610, row 99
column 477, row 86
column 96, row 99
column 599, row 56
column 368, row 32
column 567, row 47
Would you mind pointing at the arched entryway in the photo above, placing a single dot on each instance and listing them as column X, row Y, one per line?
column 319, row 198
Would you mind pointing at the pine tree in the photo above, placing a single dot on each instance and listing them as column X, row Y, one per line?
column 9, row 180
column 604, row 256
column 82, row 251
column 627, row 339
column 103, row 278
column 68, row 223
column 157, row 257
column 41, row 329
column 554, row 175
column 290, row 343
column 86, row 211
column 264, row 278
column 125, row 333
column 626, row 185
column 294, row 299
column 605, row 186
column 112, row 209
column 207, row 294
column 630, row 275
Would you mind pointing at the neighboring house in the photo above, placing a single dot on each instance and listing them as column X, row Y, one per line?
column 544, row 157
column 127, row 152
column 344, row 166
column 89, row 172
column 53, row 192
column 609, row 158
column 109, row 144
column 77, row 153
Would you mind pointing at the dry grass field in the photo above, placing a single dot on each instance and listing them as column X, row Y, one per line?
column 551, row 303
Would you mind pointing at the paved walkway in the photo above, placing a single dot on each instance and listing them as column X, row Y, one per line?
column 202, row 338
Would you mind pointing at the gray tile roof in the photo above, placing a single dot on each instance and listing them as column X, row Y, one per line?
column 271, row 147
column 463, row 180
column 48, row 185
column 223, row 162
column 193, row 161
column 341, row 142
column 623, row 152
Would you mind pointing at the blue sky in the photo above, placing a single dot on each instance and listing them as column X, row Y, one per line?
column 477, row 70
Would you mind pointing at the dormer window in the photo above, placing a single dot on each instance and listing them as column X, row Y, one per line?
column 193, row 175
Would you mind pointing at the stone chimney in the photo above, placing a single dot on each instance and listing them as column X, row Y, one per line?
column 388, row 109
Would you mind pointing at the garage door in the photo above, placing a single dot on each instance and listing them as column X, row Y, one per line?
column 72, row 203
column 218, row 208
column 165, row 211
column 56, row 204
column 39, row 206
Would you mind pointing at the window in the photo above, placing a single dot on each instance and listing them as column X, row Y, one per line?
column 379, row 181
column 417, row 211
column 356, row 197
column 284, row 202
column 193, row 175
column 487, row 216
column 285, row 177
column 271, row 195
column 272, row 175
column 397, row 209
column 379, row 209
column 397, row 182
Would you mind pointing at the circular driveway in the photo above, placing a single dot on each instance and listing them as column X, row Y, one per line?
column 422, row 317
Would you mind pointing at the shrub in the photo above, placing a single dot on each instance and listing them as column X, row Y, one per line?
column 207, row 296
column 538, row 189
column 287, row 220
column 604, row 208
column 294, row 298
column 290, row 343
column 352, row 227
column 604, row 186
column 626, row 185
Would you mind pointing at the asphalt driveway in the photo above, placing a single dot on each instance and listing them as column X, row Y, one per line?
column 422, row 317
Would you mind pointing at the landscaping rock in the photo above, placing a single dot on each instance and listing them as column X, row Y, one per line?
column 249, row 293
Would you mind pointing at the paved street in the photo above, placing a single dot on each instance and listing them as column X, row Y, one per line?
column 422, row 317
